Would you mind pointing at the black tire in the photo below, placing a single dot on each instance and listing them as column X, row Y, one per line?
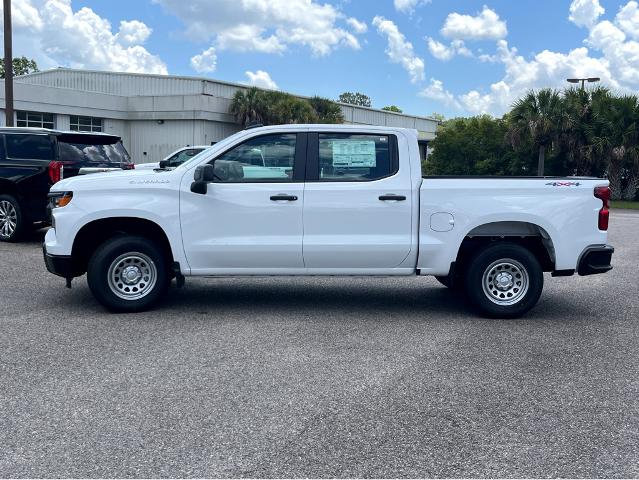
column 504, row 280
column 12, row 221
column 122, row 255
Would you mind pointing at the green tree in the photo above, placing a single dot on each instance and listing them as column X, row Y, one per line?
column 393, row 108
column 249, row 106
column 284, row 108
column 356, row 98
column 327, row 111
column 475, row 146
column 536, row 119
column 614, row 136
column 21, row 66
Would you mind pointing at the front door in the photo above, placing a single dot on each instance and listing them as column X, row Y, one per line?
column 357, row 204
column 250, row 220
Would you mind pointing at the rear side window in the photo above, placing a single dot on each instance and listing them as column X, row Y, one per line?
column 32, row 147
column 354, row 157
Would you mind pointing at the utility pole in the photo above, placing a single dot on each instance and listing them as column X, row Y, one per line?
column 8, row 65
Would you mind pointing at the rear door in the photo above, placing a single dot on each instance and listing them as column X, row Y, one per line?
column 250, row 219
column 357, row 203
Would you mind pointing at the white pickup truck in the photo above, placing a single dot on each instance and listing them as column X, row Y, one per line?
column 335, row 200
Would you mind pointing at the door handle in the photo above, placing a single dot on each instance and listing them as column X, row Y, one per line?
column 282, row 197
column 390, row 196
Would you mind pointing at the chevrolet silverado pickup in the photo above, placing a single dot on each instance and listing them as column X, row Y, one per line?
column 328, row 200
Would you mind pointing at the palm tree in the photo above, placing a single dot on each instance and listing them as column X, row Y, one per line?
column 614, row 136
column 536, row 118
column 577, row 117
column 249, row 106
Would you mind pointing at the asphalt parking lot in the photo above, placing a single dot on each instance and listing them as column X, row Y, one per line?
column 286, row 377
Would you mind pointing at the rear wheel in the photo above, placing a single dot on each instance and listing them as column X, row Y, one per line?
column 11, row 219
column 504, row 280
column 128, row 274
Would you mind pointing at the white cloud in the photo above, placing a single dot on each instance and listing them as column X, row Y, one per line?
column 545, row 69
column 400, row 50
column 357, row 26
column 446, row 52
column 408, row 6
column 485, row 26
column 611, row 53
column 628, row 19
column 54, row 35
column 205, row 61
column 267, row 26
column 585, row 13
column 436, row 91
column 261, row 79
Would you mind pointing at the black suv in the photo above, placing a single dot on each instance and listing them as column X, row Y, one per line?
column 33, row 159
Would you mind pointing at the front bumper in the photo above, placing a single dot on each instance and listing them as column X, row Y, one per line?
column 595, row 259
column 60, row 265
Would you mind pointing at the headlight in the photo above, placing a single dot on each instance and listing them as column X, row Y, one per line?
column 60, row 199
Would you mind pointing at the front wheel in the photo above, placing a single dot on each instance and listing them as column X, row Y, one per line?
column 504, row 280
column 128, row 274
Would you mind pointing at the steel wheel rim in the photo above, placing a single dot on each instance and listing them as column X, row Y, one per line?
column 132, row 276
column 505, row 282
column 8, row 219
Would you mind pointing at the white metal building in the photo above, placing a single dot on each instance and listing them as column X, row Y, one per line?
column 154, row 114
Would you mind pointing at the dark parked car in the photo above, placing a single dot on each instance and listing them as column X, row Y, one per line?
column 33, row 159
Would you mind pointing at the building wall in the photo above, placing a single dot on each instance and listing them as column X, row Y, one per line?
column 157, row 114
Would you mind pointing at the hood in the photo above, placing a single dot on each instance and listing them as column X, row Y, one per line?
column 117, row 179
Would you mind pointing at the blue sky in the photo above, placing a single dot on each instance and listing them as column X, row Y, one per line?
column 480, row 57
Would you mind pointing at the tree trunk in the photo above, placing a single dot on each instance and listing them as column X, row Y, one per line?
column 630, row 192
column 614, row 177
column 542, row 158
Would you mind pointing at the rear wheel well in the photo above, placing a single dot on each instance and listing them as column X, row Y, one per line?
column 95, row 233
column 528, row 235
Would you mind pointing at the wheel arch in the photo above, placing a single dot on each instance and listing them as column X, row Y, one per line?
column 96, row 232
column 527, row 234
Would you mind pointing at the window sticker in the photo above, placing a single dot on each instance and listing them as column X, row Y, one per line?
column 354, row 153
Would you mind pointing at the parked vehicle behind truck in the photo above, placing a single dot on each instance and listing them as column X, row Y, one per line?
column 33, row 159
column 352, row 202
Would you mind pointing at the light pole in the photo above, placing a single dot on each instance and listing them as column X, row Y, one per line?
column 8, row 65
column 583, row 81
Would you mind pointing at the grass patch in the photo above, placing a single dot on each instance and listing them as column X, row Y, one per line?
column 625, row 204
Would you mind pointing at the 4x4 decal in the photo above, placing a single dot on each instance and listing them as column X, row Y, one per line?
column 564, row 184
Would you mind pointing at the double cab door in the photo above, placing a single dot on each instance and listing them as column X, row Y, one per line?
column 301, row 202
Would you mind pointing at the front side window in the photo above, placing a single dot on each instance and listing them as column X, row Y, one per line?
column 269, row 158
column 34, row 119
column 353, row 157
column 85, row 124
column 32, row 147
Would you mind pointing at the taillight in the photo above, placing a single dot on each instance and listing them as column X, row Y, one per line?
column 603, row 194
column 128, row 166
column 56, row 171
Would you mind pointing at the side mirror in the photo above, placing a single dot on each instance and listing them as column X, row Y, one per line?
column 164, row 163
column 204, row 174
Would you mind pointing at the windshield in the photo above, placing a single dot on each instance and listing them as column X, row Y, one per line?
column 92, row 153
